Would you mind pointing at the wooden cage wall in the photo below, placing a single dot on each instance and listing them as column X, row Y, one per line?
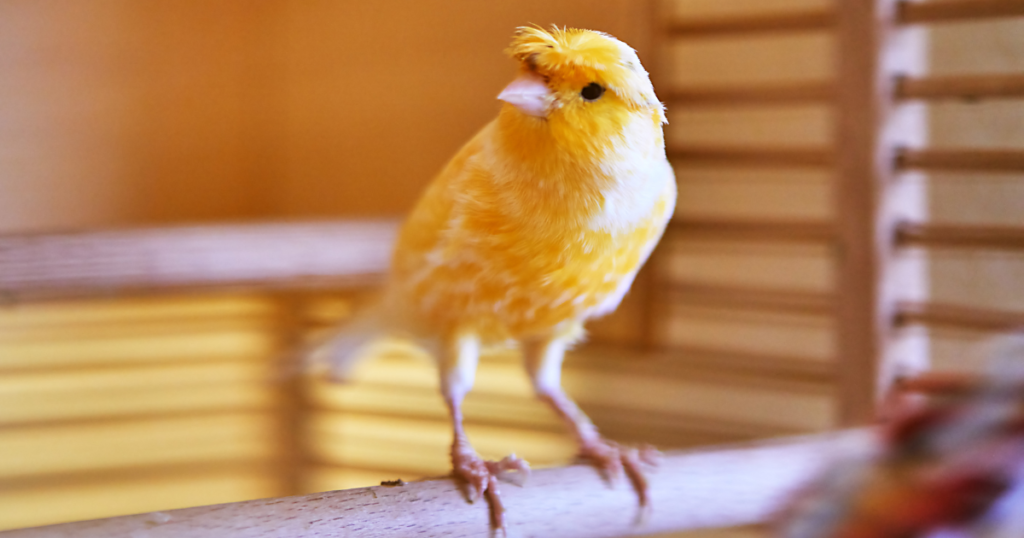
column 861, row 160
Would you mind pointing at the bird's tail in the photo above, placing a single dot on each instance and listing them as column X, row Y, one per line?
column 338, row 353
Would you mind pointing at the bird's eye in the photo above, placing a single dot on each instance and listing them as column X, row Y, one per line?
column 592, row 91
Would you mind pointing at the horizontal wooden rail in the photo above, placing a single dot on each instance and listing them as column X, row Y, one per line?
column 789, row 231
column 661, row 360
column 969, row 160
column 958, row 317
column 754, row 94
column 291, row 255
column 751, row 298
column 960, row 236
column 963, row 87
column 725, row 487
column 913, row 12
column 752, row 156
column 790, row 21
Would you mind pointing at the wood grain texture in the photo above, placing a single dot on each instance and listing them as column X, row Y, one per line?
column 959, row 317
column 864, row 228
column 690, row 490
column 256, row 255
column 812, row 18
column 753, row 298
column 961, row 159
column 752, row 230
column 771, row 58
column 751, row 155
column 961, row 236
column 957, row 10
column 753, row 94
column 963, row 87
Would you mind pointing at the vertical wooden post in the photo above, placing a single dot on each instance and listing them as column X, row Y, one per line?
column 292, row 401
column 647, row 281
column 870, row 199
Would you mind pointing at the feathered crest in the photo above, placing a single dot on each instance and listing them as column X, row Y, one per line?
column 586, row 54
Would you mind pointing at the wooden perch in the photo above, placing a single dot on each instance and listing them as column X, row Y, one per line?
column 277, row 255
column 690, row 490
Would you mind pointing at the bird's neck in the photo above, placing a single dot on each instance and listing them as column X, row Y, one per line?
column 544, row 174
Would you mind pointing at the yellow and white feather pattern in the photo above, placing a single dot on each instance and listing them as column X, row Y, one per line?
column 538, row 224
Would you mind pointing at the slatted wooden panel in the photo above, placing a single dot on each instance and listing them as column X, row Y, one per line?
column 746, row 269
column 122, row 405
column 975, row 166
column 756, row 93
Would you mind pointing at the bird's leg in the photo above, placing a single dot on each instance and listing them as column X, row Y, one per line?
column 458, row 368
column 544, row 365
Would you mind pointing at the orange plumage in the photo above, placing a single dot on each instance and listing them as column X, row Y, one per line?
column 538, row 223
column 519, row 235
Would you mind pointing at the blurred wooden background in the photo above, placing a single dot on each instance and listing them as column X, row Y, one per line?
column 116, row 114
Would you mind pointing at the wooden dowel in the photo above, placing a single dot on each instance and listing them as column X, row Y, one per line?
column 958, row 317
column 913, row 12
column 665, row 359
column 752, row 156
column 753, row 230
column 801, row 92
column 804, row 20
column 971, row 160
column 960, row 236
column 963, row 87
column 751, row 298
column 294, row 255
column 690, row 490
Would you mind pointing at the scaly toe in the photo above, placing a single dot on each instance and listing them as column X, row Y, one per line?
column 510, row 469
column 481, row 479
column 606, row 456
column 473, row 471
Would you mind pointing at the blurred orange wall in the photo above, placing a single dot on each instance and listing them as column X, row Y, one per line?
column 116, row 112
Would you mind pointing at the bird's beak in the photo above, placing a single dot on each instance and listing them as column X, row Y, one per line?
column 529, row 93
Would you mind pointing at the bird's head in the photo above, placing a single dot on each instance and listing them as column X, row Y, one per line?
column 580, row 83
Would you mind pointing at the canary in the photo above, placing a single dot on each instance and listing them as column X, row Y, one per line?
column 539, row 223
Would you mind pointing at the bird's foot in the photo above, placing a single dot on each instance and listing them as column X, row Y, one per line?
column 611, row 459
column 481, row 478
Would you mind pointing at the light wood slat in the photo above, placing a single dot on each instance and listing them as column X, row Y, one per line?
column 723, row 487
column 675, row 430
column 751, row 298
column 669, row 360
column 960, row 236
column 965, row 87
column 811, row 91
column 293, row 255
column 143, row 416
column 155, row 473
column 751, row 156
column 974, row 160
column 959, row 317
column 957, row 10
column 790, row 21
column 753, row 230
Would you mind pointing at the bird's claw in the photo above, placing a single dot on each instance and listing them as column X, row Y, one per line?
column 614, row 460
column 511, row 469
column 481, row 478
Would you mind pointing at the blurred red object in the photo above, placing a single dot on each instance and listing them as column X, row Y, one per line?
column 950, row 463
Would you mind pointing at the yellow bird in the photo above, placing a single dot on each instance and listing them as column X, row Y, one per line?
column 539, row 223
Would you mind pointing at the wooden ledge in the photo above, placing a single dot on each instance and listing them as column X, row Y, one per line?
column 726, row 487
